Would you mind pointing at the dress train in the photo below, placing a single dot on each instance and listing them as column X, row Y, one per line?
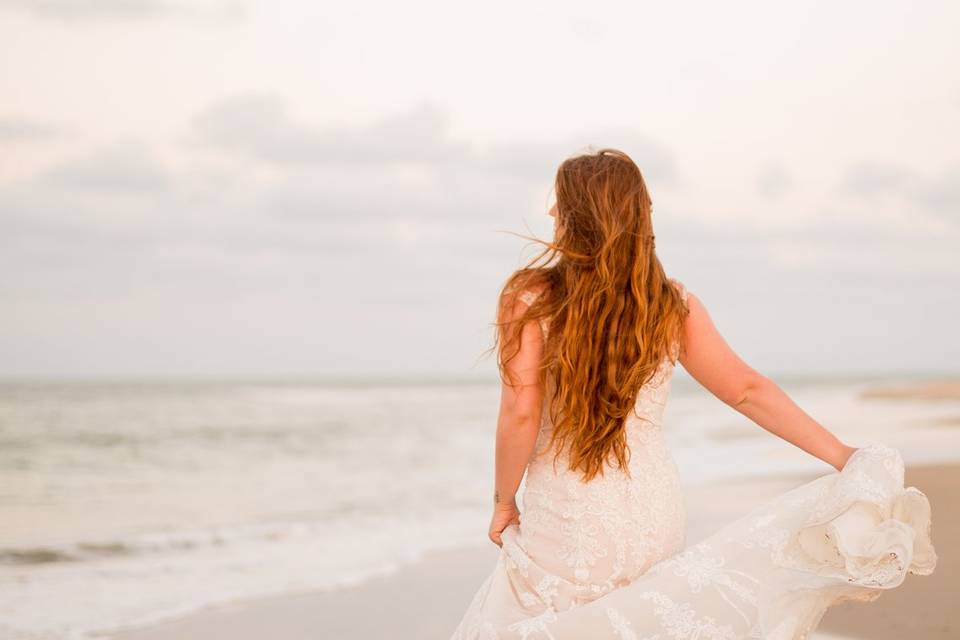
column 771, row 574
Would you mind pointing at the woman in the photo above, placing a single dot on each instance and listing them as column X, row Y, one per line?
column 587, row 348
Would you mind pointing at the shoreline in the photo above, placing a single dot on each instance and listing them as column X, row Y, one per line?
column 426, row 598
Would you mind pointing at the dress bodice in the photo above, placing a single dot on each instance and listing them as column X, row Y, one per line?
column 651, row 398
column 595, row 536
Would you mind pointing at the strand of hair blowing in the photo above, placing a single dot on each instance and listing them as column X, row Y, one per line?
column 614, row 314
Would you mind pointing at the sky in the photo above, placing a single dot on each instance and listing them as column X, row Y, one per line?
column 279, row 188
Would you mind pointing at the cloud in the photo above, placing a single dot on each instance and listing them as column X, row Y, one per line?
column 260, row 127
column 338, row 238
column 938, row 194
column 773, row 180
column 118, row 212
column 83, row 10
column 941, row 193
column 588, row 27
column 121, row 168
column 869, row 180
column 325, row 195
column 21, row 129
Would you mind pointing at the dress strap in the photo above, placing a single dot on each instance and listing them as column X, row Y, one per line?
column 528, row 296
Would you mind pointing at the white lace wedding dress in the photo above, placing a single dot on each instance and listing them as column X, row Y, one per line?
column 606, row 559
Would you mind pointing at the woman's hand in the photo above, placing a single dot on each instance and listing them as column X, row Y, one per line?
column 844, row 456
column 504, row 514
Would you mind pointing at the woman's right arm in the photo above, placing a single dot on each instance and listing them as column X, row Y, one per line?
column 712, row 363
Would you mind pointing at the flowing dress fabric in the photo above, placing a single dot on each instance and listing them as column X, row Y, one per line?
column 607, row 558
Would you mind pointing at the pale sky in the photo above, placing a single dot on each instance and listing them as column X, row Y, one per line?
column 285, row 188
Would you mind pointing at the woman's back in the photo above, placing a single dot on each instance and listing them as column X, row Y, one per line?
column 578, row 540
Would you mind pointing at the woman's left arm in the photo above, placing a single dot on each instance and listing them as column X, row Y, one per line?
column 521, row 396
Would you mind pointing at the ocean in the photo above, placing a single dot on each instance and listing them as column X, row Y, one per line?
column 123, row 503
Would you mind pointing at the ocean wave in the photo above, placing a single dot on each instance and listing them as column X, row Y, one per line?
column 105, row 586
column 163, row 542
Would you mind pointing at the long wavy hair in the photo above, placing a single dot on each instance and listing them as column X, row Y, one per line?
column 614, row 315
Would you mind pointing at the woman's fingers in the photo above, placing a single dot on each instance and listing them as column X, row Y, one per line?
column 500, row 522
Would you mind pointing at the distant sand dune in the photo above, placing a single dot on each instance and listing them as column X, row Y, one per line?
column 947, row 421
column 945, row 389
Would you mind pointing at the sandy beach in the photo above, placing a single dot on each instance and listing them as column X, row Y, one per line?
column 424, row 601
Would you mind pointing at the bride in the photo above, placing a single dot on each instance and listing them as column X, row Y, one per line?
column 588, row 343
